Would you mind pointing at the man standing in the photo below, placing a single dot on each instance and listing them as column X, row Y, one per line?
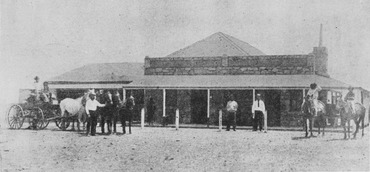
column 231, row 109
column 91, row 106
column 258, row 109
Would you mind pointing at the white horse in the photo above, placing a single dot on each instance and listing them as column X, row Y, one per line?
column 74, row 107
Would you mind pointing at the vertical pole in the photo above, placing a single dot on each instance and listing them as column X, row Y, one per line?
column 254, row 95
column 303, row 99
column 142, row 118
column 124, row 95
column 177, row 118
column 220, row 120
column 164, row 102
column 208, row 106
column 164, row 107
column 265, row 121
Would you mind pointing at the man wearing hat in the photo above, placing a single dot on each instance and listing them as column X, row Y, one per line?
column 258, row 108
column 91, row 106
column 350, row 98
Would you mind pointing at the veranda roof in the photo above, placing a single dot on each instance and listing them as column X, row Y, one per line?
column 232, row 81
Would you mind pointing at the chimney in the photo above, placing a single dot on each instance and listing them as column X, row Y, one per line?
column 321, row 57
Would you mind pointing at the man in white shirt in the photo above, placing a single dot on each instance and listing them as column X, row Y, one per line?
column 258, row 109
column 91, row 106
column 231, row 109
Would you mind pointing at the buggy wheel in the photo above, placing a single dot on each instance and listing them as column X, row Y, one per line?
column 15, row 117
column 42, row 119
column 38, row 118
column 46, row 123
column 58, row 123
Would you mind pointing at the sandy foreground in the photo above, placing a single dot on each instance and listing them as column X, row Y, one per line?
column 165, row 149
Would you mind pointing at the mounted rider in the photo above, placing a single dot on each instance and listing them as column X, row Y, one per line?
column 350, row 99
column 313, row 93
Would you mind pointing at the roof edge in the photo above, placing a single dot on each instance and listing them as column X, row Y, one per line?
column 87, row 82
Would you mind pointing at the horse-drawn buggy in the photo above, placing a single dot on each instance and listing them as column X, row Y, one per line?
column 35, row 111
column 38, row 112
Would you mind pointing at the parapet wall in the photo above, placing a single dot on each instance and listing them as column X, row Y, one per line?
column 241, row 65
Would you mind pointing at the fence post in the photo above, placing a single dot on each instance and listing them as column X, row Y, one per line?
column 142, row 117
column 177, row 118
column 265, row 121
column 220, row 120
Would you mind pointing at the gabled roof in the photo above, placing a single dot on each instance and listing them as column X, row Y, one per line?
column 100, row 73
column 218, row 44
column 233, row 81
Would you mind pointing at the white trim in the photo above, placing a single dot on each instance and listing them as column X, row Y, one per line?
column 208, row 102
column 124, row 95
column 164, row 102
column 84, row 86
column 222, row 88
column 254, row 95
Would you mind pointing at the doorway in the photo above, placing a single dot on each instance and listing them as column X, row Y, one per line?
column 198, row 106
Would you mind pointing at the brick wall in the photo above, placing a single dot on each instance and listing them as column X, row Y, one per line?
column 250, row 65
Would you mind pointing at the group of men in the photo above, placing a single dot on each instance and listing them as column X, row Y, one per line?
column 258, row 107
column 107, row 106
column 258, row 111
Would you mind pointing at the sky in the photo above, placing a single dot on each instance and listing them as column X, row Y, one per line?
column 46, row 38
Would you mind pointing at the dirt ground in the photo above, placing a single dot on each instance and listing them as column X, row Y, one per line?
column 165, row 149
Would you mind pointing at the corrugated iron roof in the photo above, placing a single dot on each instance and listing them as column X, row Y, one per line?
column 217, row 44
column 233, row 81
column 101, row 72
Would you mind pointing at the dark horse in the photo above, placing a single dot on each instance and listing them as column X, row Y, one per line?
column 309, row 117
column 126, row 114
column 347, row 115
column 117, row 105
column 107, row 111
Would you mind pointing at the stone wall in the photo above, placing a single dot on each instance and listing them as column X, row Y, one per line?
column 247, row 65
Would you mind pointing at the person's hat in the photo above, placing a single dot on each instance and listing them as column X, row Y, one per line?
column 258, row 94
column 350, row 88
column 92, row 94
column 313, row 85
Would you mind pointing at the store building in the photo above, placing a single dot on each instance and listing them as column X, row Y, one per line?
column 198, row 80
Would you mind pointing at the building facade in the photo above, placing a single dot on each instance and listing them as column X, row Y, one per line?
column 199, row 79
